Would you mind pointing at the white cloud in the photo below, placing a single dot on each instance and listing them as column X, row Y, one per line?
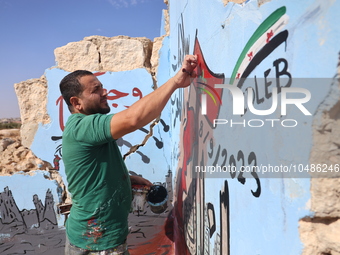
column 124, row 3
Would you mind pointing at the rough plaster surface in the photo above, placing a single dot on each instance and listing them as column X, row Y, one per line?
column 125, row 54
column 157, row 45
column 15, row 157
column 325, row 191
column 77, row 55
column 166, row 22
column 261, row 2
column 320, row 234
column 95, row 53
column 225, row 2
column 99, row 53
column 32, row 98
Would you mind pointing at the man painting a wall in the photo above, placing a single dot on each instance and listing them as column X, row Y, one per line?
column 96, row 173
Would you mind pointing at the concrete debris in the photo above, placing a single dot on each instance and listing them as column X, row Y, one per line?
column 99, row 53
column 32, row 98
column 15, row 157
column 320, row 233
column 320, row 236
column 93, row 53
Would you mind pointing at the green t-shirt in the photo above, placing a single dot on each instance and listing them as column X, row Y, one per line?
column 98, row 182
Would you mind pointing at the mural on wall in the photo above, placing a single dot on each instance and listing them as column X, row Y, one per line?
column 206, row 201
column 148, row 228
column 29, row 231
column 147, row 231
column 36, row 231
column 127, row 146
column 198, row 145
column 206, row 212
column 198, row 132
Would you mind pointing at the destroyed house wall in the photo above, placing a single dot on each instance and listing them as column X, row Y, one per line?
column 198, row 146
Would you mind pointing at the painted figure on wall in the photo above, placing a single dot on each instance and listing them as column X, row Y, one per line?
column 29, row 230
column 193, row 217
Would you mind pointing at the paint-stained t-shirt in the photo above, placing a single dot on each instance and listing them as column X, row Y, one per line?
column 98, row 182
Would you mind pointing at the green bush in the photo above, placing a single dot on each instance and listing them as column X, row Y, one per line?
column 10, row 125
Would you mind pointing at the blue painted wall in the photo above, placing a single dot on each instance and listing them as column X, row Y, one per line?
column 211, row 213
column 251, row 213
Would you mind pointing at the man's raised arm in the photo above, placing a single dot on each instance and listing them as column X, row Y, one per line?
column 150, row 107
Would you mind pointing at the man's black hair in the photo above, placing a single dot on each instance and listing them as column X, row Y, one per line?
column 70, row 86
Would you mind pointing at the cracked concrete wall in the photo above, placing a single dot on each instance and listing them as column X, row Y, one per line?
column 101, row 53
column 32, row 96
column 128, row 68
column 146, row 150
column 104, row 56
column 320, row 233
column 221, row 213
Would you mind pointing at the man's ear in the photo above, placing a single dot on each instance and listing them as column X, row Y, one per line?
column 76, row 103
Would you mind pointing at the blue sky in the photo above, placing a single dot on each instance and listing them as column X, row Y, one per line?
column 32, row 29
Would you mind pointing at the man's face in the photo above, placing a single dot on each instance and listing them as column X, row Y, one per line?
column 93, row 99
